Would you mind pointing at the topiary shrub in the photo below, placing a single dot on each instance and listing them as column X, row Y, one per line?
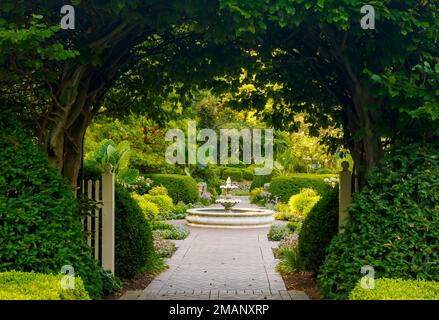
column 260, row 181
column 180, row 188
column 38, row 286
column 234, row 173
column 133, row 240
column 163, row 202
column 286, row 186
column 39, row 222
column 317, row 231
column 397, row 289
column 394, row 223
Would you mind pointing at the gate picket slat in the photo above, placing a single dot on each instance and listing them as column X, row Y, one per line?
column 90, row 196
column 97, row 198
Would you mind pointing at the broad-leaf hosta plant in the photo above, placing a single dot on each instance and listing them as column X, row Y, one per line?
column 119, row 157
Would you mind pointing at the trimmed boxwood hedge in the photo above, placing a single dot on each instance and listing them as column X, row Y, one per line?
column 180, row 188
column 318, row 229
column 397, row 289
column 40, row 228
column 286, row 186
column 133, row 240
column 235, row 174
column 38, row 286
column 393, row 223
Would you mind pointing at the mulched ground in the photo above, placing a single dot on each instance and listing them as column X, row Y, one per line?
column 304, row 281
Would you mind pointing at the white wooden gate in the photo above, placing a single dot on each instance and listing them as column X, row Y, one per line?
column 99, row 228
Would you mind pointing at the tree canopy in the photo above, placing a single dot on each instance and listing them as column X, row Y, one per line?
column 280, row 57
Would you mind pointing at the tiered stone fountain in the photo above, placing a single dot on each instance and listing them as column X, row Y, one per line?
column 228, row 216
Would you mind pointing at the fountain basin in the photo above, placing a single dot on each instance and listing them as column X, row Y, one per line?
column 239, row 218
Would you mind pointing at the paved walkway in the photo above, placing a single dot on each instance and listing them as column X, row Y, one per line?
column 220, row 264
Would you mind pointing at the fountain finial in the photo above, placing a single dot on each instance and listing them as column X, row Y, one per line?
column 228, row 182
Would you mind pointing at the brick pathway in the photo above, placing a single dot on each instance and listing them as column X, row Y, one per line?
column 220, row 264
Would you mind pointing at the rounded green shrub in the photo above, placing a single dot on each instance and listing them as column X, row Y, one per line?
column 133, row 240
column 158, row 191
column 301, row 204
column 149, row 208
column 317, row 231
column 397, row 289
column 286, row 186
column 163, row 202
column 16, row 285
column 234, row 173
column 393, row 226
column 40, row 228
column 180, row 188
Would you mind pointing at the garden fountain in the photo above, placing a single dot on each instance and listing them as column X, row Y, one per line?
column 229, row 216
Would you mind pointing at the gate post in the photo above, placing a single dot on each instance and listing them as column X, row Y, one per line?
column 345, row 194
column 108, row 219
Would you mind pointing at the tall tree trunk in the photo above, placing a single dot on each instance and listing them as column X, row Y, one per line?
column 68, row 119
column 360, row 131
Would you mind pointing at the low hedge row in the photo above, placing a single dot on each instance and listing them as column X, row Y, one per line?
column 286, row 186
column 259, row 181
column 16, row 285
column 180, row 188
column 397, row 289
column 234, row 173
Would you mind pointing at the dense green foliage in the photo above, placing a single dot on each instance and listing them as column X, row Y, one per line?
column 163, row 202
column 118, row 156
column 179, row 212
column 311, row 48
column 38, row 286
column 259, row 181
column 317, row 231
column 287, row 186
column 278, row 231
column 290, row 260
column 163, row 248
column 234, row 173
column 393, row 226
column 180, row 188
column 110, row 283
column 169, row 231
column 302, row 203
column 133, row 242
column 40, row 229
column 397, row 289
column 149, row 208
